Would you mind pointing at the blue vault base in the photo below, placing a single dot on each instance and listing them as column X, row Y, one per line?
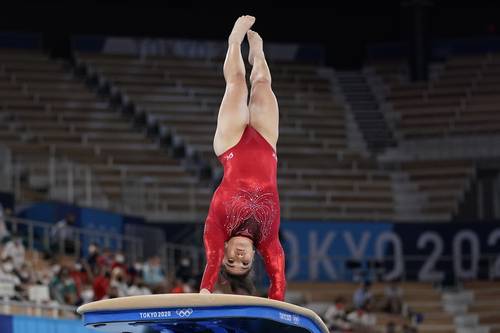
column 269, row 317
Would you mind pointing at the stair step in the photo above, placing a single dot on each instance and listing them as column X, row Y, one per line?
column 365, row 109
column 376, row 121
column 357, row 97
column 380, row 138
column 368, row 104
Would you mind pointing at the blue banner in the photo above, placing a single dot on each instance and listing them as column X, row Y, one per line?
column 414, row 251
column 318, row 250
column 100, row 221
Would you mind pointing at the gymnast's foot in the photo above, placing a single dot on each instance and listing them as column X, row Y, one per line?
column 256, row 46
column 243, row 23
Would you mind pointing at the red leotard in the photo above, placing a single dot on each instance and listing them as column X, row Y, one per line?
column 246, row 203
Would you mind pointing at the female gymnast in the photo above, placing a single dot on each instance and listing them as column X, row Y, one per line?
column 244, row 212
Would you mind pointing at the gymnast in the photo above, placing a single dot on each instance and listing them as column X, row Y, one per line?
column 244, row 213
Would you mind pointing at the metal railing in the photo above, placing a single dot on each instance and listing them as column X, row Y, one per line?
column 172, row 254
column 74, row 183
column 52, row 309
column 68, row 181
column 61, row 179
column 143, row 196
column 40, row 236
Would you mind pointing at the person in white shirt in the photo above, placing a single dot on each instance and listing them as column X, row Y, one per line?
column 62, row 234
column 393, row 301
column 138, row 288
column 118, row 282
column 335, row 316
column 362, row 319
column 7, row 275
column 4, row 232
column 14, row 249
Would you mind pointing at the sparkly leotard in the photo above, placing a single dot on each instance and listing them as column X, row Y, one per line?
column 246, row 203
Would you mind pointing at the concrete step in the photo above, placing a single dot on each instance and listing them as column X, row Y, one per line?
column 466, row 320
column 477, row 329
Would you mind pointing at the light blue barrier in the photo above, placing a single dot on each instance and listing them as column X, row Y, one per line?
column 27, row 324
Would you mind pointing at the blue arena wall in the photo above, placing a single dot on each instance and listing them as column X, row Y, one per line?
column 26, row 324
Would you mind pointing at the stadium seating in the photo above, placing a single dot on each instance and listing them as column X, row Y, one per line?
column 319, row 177
column 47, row 110
column 417, row 296
column 459, row 100
column 485, row 305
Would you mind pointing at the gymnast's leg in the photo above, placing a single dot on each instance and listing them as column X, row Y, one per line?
column 233, row 112
column 263, row 106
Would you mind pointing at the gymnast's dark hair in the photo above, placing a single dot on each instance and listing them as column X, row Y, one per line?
column 238, row 284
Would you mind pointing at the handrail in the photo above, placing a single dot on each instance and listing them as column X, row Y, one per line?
column 76, row 183
column 132, row 245
column 36, row 308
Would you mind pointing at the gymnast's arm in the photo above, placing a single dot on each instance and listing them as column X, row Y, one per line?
column 213, row 238
column 274, row 260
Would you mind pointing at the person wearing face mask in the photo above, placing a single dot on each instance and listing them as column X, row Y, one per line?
column 87, row 294
column 63, row 288
column 152, row 272
column 93, row 258
column 335, row 316
column 63, row 235
column 7, row 274
column 24, row 273
column 137, row 287
column 119, row 262
column 118, row 281
column 14, row 249
column 80, row 276
column 101, row 283
column 185, row 270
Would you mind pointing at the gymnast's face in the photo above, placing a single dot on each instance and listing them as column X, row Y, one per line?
column 239, row 254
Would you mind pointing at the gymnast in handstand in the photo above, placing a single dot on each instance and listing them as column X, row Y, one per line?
column 244, row 213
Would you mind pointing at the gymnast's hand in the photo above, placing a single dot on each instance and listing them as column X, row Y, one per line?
column 204, row 291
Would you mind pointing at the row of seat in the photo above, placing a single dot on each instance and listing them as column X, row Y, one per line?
column 460, row 99
column 46, row 110
column 420, row 297
column 486, row 302
column 318, row 177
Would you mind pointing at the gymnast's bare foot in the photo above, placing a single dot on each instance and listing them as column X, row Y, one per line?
column 243, row 23
column 256, row 46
